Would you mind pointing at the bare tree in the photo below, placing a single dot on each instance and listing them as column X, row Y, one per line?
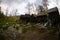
column 0, row 6
column 0, row 9
column 6, row 11
column 28, row 7
column 15, row 12
column 45, row 3
column 57, row 2
column 31, row 8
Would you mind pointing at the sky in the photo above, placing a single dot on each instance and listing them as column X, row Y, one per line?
column 20, row 5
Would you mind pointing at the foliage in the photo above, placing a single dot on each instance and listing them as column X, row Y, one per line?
column 41, row 8
column 11, row 20
column 24, row 30
column 16, row 26
column 2, row 19
column 32, row 25
column 5, row 27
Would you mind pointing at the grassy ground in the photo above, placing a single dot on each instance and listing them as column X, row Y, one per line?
column 28, row 32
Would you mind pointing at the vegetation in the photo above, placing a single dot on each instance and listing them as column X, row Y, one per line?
column 10, row 26
column 24, row 30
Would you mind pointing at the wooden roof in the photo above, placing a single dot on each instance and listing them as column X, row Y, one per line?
column 53, row 9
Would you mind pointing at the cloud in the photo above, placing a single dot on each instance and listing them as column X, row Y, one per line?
column 15, row 4
column 4, row 6
column 10, row 2
column 21, row 4
column 52, row 3
column 31, row 1
column 19, row 7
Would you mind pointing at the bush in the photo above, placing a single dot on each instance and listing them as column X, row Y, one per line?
column 24, row 30
column 17, row 28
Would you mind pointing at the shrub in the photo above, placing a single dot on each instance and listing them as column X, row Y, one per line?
column 24, row 30
column 17, row 28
